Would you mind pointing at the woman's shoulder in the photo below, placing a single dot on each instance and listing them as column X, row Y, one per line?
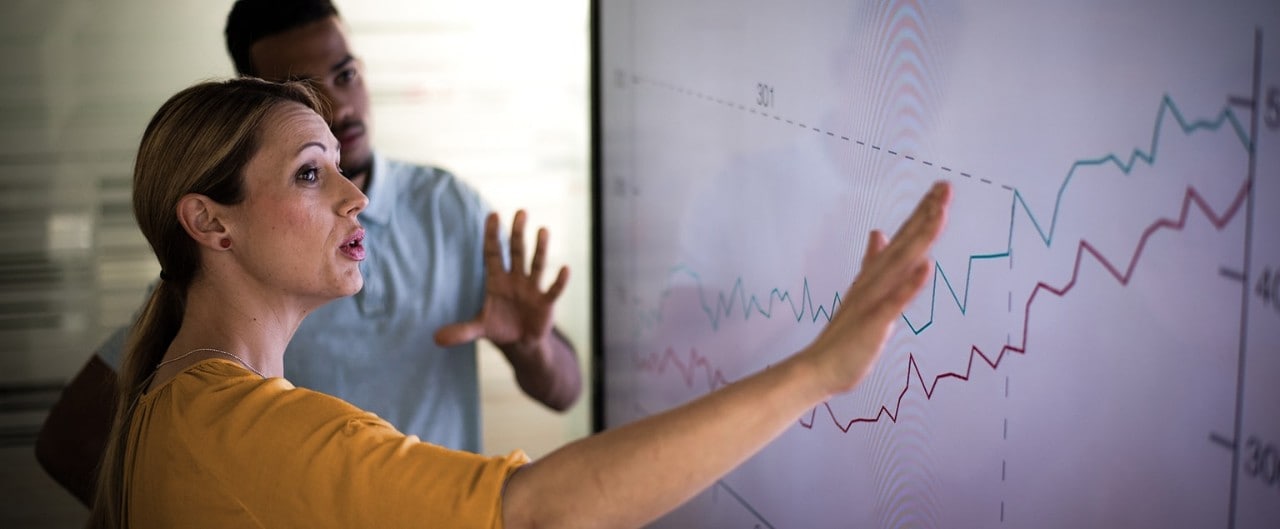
column 241, row 400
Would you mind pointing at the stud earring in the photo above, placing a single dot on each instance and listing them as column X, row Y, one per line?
column 226, row 243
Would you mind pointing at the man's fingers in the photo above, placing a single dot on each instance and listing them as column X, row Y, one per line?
column 492, row 246
column 557, row 287
column 539, row 256
column 459, row 333
column 517, row 242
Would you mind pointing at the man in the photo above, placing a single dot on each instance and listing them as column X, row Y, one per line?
column 403, row 347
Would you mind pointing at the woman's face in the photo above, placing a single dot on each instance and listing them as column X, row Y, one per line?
column 296, row 231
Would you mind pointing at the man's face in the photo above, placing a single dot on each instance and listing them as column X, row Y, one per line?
column 318, row 52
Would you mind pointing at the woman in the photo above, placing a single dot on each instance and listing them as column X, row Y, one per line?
column 238, row 191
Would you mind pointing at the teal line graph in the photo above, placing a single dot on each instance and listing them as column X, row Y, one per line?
column 725, row 304
column 1166, row 107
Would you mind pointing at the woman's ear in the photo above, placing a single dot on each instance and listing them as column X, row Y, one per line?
column 200, row 217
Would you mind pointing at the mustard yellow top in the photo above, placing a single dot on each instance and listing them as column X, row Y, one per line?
column 217, row 446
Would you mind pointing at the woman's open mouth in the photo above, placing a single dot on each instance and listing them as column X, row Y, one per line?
column 353, row 247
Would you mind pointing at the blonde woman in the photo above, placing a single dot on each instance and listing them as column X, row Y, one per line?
column 238, row 191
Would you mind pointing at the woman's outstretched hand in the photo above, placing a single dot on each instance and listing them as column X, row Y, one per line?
column 893, row 271
column 629, row 475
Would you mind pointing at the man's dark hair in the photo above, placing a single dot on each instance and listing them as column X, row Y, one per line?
column 253, row 20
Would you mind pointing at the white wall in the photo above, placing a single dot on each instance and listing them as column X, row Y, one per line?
column 495, row 91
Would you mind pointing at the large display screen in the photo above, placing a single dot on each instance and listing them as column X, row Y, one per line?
column 1099, row 342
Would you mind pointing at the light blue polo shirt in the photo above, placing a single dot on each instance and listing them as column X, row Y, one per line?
column 423, row 269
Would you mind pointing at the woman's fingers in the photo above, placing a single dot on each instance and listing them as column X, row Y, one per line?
column 885, row 269
column 922, row 228
column 876, row 242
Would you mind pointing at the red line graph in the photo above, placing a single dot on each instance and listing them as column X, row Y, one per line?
column 659, row 362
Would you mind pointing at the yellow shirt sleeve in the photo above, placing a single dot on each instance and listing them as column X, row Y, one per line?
column 219, row 447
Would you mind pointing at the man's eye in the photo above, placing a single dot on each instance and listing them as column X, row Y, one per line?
column 346, row 76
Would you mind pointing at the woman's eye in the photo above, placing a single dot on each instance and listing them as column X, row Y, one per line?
column 309, row 175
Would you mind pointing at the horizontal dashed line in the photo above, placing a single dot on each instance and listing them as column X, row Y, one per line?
column 985, row 181
column 1006, row 187
column 927, row 163
column 909, row 157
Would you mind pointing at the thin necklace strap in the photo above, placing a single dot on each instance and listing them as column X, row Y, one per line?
column 207, row 349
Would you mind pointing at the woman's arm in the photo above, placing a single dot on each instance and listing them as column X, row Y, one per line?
column 628, row 476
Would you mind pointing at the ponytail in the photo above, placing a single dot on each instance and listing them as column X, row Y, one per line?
column 150, row 336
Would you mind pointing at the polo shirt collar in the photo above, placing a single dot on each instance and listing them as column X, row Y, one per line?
column 380, row 192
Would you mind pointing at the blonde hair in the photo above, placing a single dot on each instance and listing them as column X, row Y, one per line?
column 198, row 142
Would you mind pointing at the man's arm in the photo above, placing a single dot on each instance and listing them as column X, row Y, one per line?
column 517, row 317
column 549, row 373
column 75, row 433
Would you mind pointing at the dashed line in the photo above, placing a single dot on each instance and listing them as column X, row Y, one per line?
column 637, row 80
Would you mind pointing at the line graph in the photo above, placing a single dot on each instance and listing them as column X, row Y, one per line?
column 1191, row 197
column 658, row 363
column 1097, row 339
column 747, row 305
